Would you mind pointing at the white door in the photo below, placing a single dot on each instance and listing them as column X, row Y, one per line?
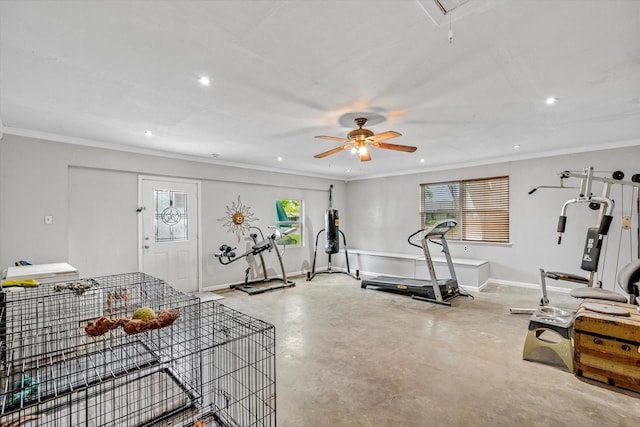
column 169, row 248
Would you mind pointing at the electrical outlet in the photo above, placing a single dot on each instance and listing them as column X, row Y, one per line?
column 48, row 219
column 626, row 222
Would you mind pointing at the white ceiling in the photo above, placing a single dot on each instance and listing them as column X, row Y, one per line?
column 103, row 72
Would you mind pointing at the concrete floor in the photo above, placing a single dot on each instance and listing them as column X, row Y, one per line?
column 348, row 356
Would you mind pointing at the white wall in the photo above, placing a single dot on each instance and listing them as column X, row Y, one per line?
column 261, row 196
column 92, row 195
column 102, row 231
column 383, row 212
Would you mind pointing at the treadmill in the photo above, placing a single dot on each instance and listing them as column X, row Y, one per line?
column 423, row 289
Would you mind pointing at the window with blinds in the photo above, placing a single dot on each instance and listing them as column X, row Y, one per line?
column 480, row 206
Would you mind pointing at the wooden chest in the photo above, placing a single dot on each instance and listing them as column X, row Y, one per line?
column 606, row 346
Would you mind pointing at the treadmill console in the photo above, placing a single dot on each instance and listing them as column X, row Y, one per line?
column 441, row 228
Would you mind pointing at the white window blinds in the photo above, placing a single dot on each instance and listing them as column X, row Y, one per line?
column 480, row 206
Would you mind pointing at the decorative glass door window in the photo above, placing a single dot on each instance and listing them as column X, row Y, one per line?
column 170, row 216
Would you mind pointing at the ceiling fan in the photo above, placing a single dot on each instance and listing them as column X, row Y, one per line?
column 359, row 140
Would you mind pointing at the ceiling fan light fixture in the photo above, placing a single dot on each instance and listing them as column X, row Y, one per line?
column 359, row 140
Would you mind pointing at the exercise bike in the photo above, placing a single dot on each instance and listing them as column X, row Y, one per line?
column 228, row 256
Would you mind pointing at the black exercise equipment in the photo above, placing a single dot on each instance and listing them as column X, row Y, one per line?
column 331, row 228
column 227, row 256
column 629, row 279
column 332, row 242
column 423, row 289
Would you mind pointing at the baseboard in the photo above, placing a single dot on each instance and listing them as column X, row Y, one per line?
column 479, row 288
column 374, row 274
column 214, row 288
column 528, row 285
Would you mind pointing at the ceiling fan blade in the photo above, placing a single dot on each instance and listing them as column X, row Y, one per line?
column 406, row 148
column 335, row 150
column 333, row 138
column 384, row 135
column 366, row 156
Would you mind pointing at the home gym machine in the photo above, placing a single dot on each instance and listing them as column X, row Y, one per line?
column 629, row 275
column 332, row 242
column 439, row 291
column 227, row 256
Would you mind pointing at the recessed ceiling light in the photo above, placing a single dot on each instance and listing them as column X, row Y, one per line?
column 551, row 100
column 516, row 146
column 279, row 158
column 204, row 81
column 148, row 133
column 348, row 170
column 421, row 160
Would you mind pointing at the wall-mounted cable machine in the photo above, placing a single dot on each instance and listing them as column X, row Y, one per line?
column 604, row 203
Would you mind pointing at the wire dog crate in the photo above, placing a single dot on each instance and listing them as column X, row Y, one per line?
column 213, row 366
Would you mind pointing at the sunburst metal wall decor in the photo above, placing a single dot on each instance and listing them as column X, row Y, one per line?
column 238, row 218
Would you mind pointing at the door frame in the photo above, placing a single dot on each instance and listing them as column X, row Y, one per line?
column 198, row 184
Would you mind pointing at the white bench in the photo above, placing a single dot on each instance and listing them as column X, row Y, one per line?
column 42, row 273
column 472, row 273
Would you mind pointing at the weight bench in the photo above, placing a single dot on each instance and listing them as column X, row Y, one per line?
column 628, row 279
column 590, row 260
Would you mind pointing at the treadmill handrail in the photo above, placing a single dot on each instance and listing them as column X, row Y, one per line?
column 433, row 230
column 409, row 239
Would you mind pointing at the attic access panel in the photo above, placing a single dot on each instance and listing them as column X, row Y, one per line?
column 438, row 9
column 447, row 6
